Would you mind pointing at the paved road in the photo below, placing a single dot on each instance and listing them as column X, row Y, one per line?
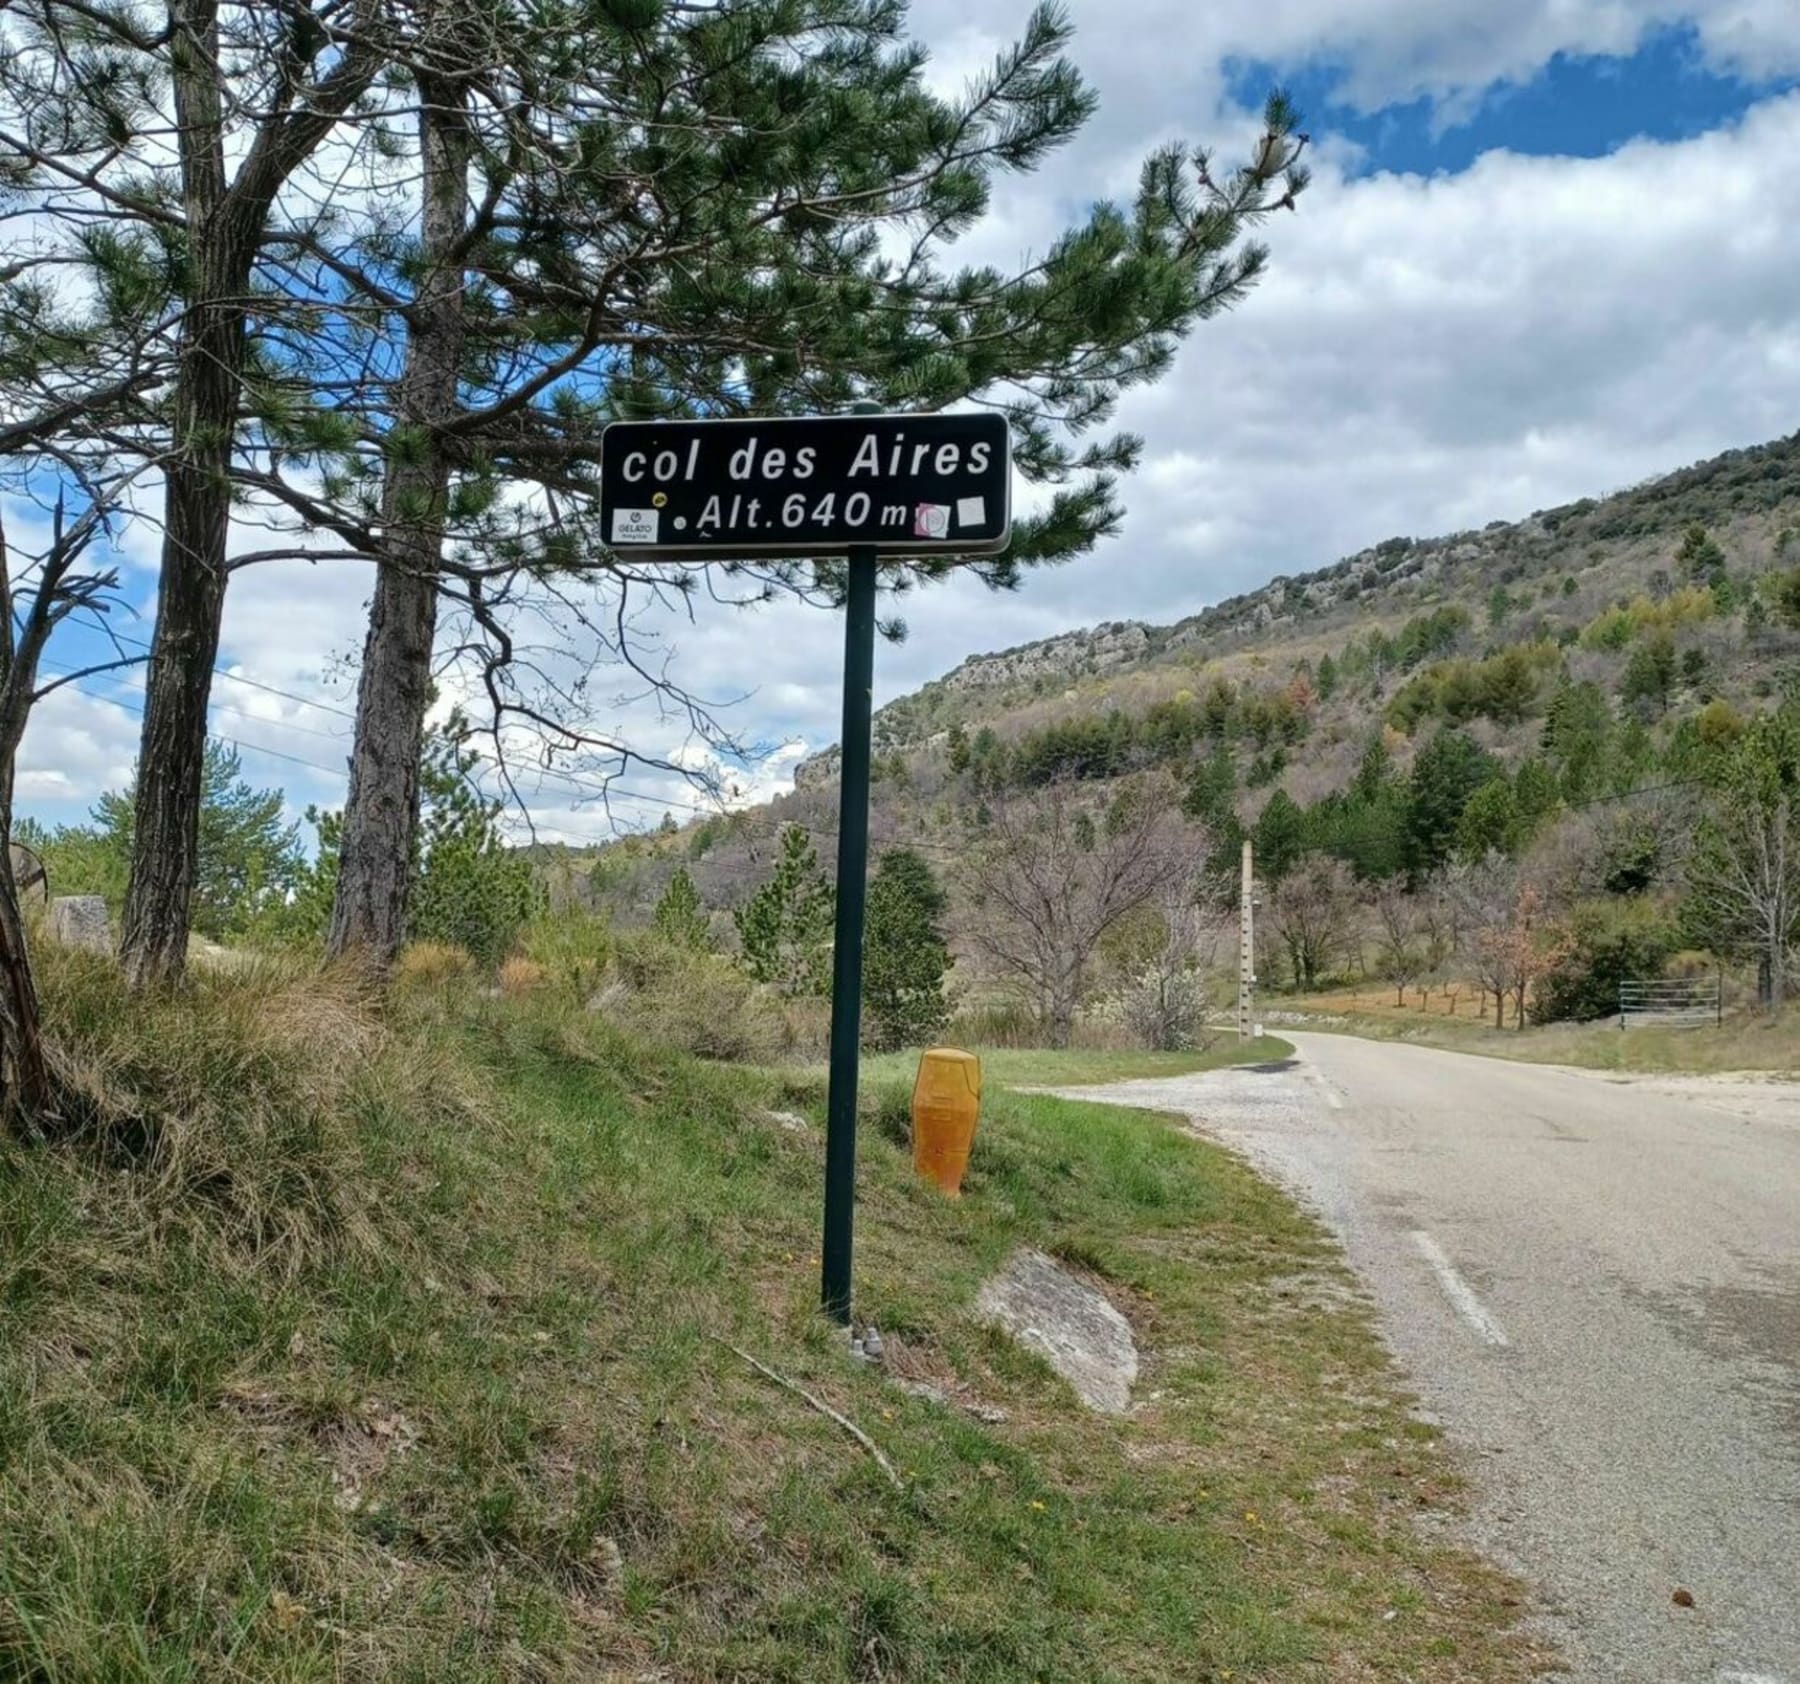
column 1594, row 1285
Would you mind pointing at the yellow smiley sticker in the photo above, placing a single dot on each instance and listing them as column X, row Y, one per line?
column 659, row 499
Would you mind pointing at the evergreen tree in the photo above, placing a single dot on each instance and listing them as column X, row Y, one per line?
column 1280, row 837
column 1700, row 558
column 471, row 890
column 956, row 741
column 1327, row 677
column 1450, row 768
column 1650, row 674
column 1489, row 823
column 1577, row 737
column 680, row 919
column 785, row 927
column 905, row 959
column 248, row 860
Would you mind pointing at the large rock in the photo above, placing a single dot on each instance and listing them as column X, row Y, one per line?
column 81, row 921
column 1069, row 1324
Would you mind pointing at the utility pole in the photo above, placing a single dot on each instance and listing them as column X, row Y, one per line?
column 1246, row 943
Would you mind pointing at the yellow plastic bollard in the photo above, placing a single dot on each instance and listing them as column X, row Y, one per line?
column 946, row 1105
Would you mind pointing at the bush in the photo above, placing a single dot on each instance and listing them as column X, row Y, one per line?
column 244, row 1104
column 1165, row 1011
column 699, row 1003
column 1612, row 941
column 574, row 949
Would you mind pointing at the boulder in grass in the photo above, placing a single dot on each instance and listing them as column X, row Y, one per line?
column 1072, row 1326
column 81, row 921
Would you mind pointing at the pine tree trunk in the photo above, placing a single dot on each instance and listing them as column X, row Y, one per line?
column 381, row 815
column 197, row 516
column 26, row 1095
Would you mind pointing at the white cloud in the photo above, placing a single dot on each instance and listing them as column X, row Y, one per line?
column 1425, row 355
column 1165, row 56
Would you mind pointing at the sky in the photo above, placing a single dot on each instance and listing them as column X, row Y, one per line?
column 1550, row 250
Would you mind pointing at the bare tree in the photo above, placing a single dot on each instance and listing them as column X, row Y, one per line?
column 38, row 592
column 1745, row 871
column 1482, row 893
column 1400, row 950
column 1514, row 938
column 1164, row 998
column 1052, row 871
column 1313, row 913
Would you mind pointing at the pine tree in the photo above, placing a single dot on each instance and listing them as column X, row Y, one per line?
column 736, row 276
column 1650, row 674
column 1280, row 836
column 680, row 918
column 785, row 927
column 472, row 890
column 905, row 959
column 956, row 741
column 1700, row 557
column 162, row 162
column 248, row 858
column 1489, row 822
column 1450, row 768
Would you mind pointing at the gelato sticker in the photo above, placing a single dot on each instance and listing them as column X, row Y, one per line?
column 635, row 526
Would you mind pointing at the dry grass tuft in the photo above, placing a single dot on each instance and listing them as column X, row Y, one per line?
column 520, row 975
column 433, row 964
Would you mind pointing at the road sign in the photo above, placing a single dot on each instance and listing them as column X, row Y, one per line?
column 907, row 485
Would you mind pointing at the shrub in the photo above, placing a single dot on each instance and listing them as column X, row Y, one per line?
column 1165, row 1011
column 1610, row 942
column 574, row 948
column 699, row 1003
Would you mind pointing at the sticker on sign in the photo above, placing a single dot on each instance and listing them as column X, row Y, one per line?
column 635, row 526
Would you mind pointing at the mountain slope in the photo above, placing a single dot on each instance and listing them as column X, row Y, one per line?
column 1478, row 629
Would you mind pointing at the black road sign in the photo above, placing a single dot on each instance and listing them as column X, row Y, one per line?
column 904, row 484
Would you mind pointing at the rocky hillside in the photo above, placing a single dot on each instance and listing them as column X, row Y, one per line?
column 1666, row 597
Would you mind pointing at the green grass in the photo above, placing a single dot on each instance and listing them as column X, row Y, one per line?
column 1748, row 1041
column 1016, row 1067
column 390, row 1347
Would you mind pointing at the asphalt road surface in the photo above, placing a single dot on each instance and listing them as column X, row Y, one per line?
column 1594, row 1285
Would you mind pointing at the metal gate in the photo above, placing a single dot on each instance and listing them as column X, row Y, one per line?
column 1672, row 1003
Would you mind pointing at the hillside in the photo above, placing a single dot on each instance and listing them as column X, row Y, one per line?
column 439, row 1361
column 1582, row 646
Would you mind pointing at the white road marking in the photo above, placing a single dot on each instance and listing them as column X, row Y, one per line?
column 1461, row 1295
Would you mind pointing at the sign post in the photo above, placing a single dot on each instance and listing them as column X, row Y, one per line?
column 847, row 937
column 864, row 487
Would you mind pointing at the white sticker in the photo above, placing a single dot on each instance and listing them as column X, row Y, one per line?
column 971, row 511
column 635, row 526
column 931, row 520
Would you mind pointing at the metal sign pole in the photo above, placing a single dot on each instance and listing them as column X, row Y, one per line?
column 847, row 944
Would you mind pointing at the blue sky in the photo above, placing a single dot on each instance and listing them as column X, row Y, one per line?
column 1580, row 105
column 1550, row 250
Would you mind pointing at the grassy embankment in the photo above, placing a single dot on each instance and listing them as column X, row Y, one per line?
column 384, row 1347
column 1748, row 1040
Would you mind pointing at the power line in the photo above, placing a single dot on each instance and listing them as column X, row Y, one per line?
column 541, row 773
